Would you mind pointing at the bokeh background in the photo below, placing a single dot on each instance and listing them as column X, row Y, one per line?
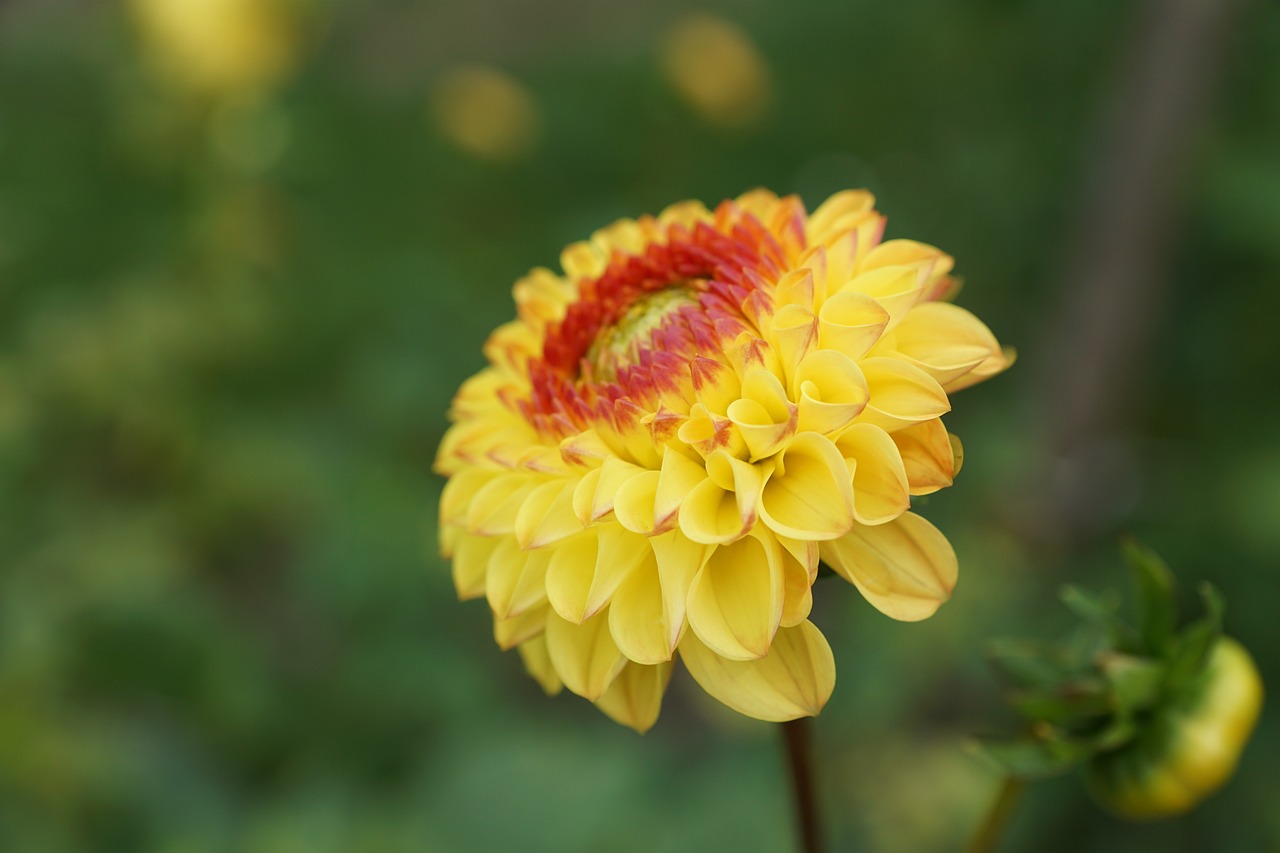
column 249, row 249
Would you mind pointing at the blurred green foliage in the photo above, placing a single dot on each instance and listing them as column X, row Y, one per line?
column 230, row 326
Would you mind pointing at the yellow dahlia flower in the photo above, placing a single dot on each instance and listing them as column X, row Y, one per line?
column 674, row 432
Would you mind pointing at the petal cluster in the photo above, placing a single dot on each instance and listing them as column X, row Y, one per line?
column 677, row 428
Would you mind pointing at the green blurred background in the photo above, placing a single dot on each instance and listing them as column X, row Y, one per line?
column 249, row 250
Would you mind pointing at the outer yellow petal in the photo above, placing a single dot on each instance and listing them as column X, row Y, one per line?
column 460, row 491
column 832, row 391
column 735, row 602
column 584, row 571
column 536, row 660
column 809, row 494
column 794, row 680
column 946, row 341
column 928, row 456
column 547, row 515
column 679, row 561
column 906, row 568
column 638, row 618
column 471, row 563
column 851, row 323
column 584, row 655
column 897, row 289
column 797, row 589
column 880, row 491
column 678, row 477
column 635, row 697
column 494, row 506
column 515, row 582
column 613, row 474
column 900, row 394
column 908, row 253
column 510, row 633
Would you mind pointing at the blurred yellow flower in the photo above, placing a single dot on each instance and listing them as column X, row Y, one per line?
column 676, row 429
column 714, row 67
column 485, row 113
column 219, row 47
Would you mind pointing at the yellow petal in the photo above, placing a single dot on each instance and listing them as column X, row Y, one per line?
column 715, row 384
column 583, row 572
column 794, row 680
column 516, row 580
column 635, row 697
column 471, row 563
column 908, row 253
column 584, row 655
column 584, row 496
column 797, row 599
column 637, row 616
column 707, row 432
column 851, row 323
column 997, row 362
column 679, row 561
column 723, row 507
column 538, row 663
column 735, row 602
column 613, row 473
column 510, row 633
column 494, row 507
column 900, row 394
column 880, row 490
column 581, row 260
column 945, row 341
column 905, row 568
column 832, row 389
column 928, row 456
column 547, row 515
column 897, row 289
column 460, row 491
column 809, row 494
column 793, row 333
column 633, row 505
column 764, row 415
column 678, row 477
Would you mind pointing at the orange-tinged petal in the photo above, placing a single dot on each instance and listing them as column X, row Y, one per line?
column 808, row 495
column 832, row 389
column 794, row 680
column 471, row 563
column 538, row 663
column 736, row 599
column 635, row 697
column 905, row 568
column 900, row 394
column 880, row 489
column 928, row 456
column 584, row 656
column 851, row 322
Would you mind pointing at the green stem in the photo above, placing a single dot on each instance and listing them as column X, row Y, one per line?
column 795, row 734
column 992, row 829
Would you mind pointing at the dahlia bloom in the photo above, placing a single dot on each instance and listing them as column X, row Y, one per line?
column 675, row 431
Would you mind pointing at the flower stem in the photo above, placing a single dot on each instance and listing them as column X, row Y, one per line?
column 989, row 834
column 796, row 735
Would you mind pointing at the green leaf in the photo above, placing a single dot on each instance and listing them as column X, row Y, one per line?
column 1157, row 610
column 1033, row 758
column 1135, row 682
column 1028, row 663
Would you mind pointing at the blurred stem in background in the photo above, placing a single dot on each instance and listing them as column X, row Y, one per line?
column 795, row 734
column 1115, row 274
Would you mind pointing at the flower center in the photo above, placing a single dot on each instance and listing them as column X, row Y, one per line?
column 621, row 344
